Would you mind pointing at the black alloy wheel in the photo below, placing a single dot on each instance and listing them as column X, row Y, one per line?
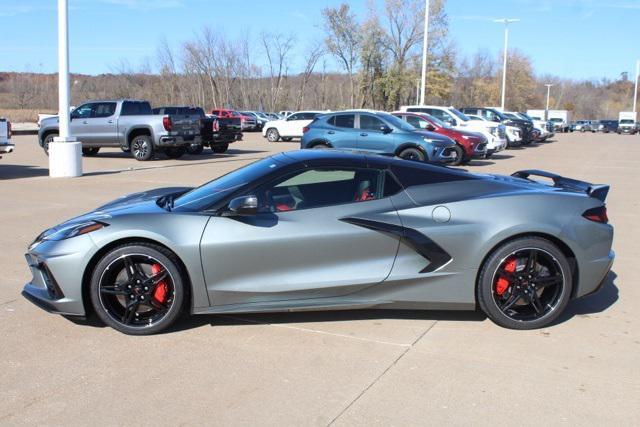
column 137, row 289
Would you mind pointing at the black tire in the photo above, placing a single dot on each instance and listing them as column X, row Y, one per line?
column 287, row 139
column 90, row 151
column 195, row 149
column 320, row 146
column 273, row 135
column 142, row 148
column 533, row 297
column 219, row 149
column 175, row 152
column 48, row 139
column 459, row 156
column 123, row 288
column 413, row 154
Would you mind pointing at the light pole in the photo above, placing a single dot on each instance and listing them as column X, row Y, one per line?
column 546, row 111
column 635, row 92
column 506, row 22
column 425, row 39
column 65, row 158
column 418, row 91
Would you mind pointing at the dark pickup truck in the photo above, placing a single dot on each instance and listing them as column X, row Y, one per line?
column 215, row 132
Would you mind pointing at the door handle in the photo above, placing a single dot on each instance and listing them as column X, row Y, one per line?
column 109, row 121
column 85, row 122
column 364, row 134
column 331, row 132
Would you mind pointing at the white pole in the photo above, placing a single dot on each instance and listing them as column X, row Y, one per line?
column 506, row 23
column 425, row 45
column 417, row 91
column 63, row 67
column 635, row 92
column 65, row 152
column 546, row 111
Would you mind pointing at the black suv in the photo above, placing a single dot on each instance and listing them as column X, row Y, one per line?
column 494, row 115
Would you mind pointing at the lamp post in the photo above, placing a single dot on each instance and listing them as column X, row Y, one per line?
column 65, row 152
column 506, row 22
column 635, row 92
column 425, row 39
column 546, row 111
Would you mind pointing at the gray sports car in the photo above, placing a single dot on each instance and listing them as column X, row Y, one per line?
column 326, row 229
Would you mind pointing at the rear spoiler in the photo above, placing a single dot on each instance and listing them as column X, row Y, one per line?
column 597, row 191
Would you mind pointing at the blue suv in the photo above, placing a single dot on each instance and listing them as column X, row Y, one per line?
column 378, row 132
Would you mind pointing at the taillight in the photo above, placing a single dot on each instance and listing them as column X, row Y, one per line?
column 166, row 122
column 598, row 214
column 215, row 126
column 305, row 129
column 8, row 130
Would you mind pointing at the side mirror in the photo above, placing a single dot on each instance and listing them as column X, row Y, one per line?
column 243, row 206
column 385, row 129
column 496, row 119
column 430, row 127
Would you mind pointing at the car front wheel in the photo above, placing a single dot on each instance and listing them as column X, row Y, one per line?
column 138, row 289
column 412, row 153
column 525, row 284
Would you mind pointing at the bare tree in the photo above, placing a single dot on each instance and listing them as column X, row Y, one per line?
column 277, row 48
column 314, row 53
column 343, row 40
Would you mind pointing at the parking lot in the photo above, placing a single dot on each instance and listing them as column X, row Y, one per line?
column 363, row 367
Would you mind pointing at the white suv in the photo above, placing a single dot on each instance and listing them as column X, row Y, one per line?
column 494, row 132
column 5, row 137
column 290, row 127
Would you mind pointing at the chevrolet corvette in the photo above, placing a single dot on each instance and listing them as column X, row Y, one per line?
column 326, row 230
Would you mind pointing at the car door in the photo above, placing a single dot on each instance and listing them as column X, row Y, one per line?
column 79, row 124
column 303, row 244
column 341, row 132
column 103, row 124
column 372, row 137
column 292, row 125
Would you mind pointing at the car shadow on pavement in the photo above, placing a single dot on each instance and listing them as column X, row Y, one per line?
column 594, row 303
column 188, row 157
column 481, row 163
column 21, row 171
column 501, row 156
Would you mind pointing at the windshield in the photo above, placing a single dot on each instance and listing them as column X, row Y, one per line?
column 460, row 114
column 511, row 116
column 526, row 116
column 209, row 194
column 437, row 121
column 626, row 122
column 556, row 120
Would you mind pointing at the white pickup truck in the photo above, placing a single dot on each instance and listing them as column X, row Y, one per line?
column 5, row 137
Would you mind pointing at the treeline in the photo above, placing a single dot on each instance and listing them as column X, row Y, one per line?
column 372, row 61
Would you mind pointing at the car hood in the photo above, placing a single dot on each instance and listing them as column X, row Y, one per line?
column 434, row 136
column 49, row 121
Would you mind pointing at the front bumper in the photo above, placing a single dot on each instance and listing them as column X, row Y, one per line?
column 442, row 154
column 57, row 270
column 627, row 130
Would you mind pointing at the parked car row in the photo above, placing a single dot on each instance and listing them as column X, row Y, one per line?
column 416, row 132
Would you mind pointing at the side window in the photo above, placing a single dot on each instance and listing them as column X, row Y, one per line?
column 314, row 188
column 82, row 112
column 343, row 121
column 488, row 115
column 368, row 122
column 417, row 122
column 297, row 116
column 132, row 108
column 103, row 109
column 309, row 116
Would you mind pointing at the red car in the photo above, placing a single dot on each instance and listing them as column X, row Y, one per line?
column 247, row 122
column 473, row 144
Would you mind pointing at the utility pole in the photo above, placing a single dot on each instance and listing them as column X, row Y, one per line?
column 546, row 111
column 425, row 40
column 506, row 22
column 65, row 152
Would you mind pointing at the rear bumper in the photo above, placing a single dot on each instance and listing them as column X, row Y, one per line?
column 174, row 141
column 598, row 270
column 6, row 148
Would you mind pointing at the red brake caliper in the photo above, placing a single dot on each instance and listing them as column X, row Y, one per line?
column 160, row 293
column 502, row 284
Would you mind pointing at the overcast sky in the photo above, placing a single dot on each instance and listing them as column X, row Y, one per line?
column 569, row 38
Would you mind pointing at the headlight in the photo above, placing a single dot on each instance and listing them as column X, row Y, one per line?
column 72, row 230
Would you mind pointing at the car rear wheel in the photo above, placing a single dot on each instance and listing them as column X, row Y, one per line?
column 219, row 149
column 138, row 289
column 320, row 146
column 525, row 284
column 175, row 152
column 273, row 135
column 142, row 148
column 412, row 153
column 90, row 151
